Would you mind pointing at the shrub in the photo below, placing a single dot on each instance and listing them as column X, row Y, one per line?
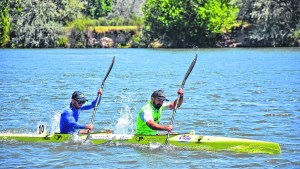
column 62, row 42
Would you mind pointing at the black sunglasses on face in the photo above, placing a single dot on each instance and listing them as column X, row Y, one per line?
column 80, row 102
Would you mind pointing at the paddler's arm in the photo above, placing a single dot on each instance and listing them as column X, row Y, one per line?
column 156, row 126
column 73, row 124
column 172, row 104
column 93, row 104
column 81, row 126
column 68, row 123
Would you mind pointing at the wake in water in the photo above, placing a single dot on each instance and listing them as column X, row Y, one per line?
column 161, row 147
column 152, row 147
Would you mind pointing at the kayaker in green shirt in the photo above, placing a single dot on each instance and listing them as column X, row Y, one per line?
column 149, row 115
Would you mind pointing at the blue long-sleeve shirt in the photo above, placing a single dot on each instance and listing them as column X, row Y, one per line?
column 69, row 118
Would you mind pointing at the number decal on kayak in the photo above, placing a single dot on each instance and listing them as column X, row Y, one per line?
column 41, row 128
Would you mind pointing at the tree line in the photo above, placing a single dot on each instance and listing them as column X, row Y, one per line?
column 173, row 23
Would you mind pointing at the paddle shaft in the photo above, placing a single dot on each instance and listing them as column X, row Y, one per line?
column 99, row 96
column 177, row 100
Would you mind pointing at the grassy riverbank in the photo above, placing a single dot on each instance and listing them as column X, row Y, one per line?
column 104, row 29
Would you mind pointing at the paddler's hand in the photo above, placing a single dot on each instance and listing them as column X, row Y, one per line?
column 180, row 92
column 89, row 126
column 169, row 128
column 84, row 131
column 100, row 92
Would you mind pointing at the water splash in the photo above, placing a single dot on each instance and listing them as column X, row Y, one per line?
column 55, row 120
column 153, row 146
column 125, row 123
column 76, row 139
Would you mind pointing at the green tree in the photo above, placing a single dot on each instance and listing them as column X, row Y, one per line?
column 296, row 36
column 97, row 8
column 35, row 25
column 126, row 8
column 4, row 23
column 188, row 23
column 274, row 22
column 219, row 16
column 68, row 10
column 39, row 23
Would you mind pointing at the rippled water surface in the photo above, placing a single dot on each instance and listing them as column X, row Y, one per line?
column 243, row 93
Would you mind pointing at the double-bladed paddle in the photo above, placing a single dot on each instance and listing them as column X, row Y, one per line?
column 182, row 85
column 99, row 96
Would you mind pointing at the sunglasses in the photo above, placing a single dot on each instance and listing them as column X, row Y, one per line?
column 158, row 99
column 80, row 102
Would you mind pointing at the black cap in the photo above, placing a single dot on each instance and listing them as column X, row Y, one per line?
column 159, row 94
column 78, row 96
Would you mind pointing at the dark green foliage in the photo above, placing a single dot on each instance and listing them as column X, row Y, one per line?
column 62, row 42
column 97, row 8
column 175, row 23
column 68, row 10
column 273, row 22
column 38, row 23
column 4, row 23
column 188, row 23
column 78, row 29
column 77, row 39
column 35, row 25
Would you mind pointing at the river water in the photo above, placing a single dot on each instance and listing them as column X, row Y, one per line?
column 243, row 93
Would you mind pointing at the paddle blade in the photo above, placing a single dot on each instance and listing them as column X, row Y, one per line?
column 109, row 69
column 189, row 70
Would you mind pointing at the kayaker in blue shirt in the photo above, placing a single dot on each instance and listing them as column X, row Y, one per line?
column 69, row 117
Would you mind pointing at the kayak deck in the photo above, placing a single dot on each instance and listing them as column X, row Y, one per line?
column 188, row 141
